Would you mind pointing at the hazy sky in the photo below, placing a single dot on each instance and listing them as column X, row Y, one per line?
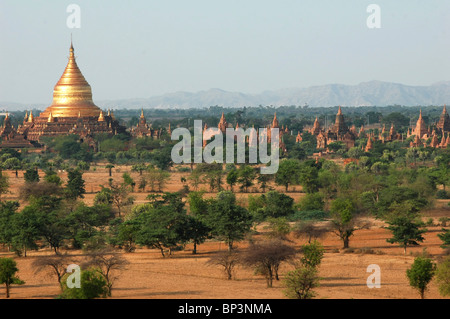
column 139, row 49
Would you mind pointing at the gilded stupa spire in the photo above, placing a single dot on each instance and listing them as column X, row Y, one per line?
column 101, row 118
column 72, row 93
column 30, row 117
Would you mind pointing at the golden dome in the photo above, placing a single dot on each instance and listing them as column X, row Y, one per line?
column 72, row 94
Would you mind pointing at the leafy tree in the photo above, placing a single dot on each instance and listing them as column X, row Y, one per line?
column 110, row 167
column 445, row 237
column 288, row 173
column 75, row 185
column 138, row 168
column 300, row 282
column 263, row 180
column 232, row 177
column 156, row 178
column 312, row 254
column 117, row 195
column 278, row 228
column 52, row 177
column 343, row 219
column 85, row 222
column 308, row 176
column 443, row 276
column 13, row 163
column 8, row 269
column 128, row 180
column 420, row 274
column 312, row 201
column 7, row 213
column 246, row 177
column 161, row 223
column 273, row 204
column 31, row 175
column 24, row 230
column 194, row 230
column 405, row 232
column 45, row 214
column 4, row 184
column 227, row 219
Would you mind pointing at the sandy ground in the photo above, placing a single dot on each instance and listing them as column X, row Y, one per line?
column 187, row 276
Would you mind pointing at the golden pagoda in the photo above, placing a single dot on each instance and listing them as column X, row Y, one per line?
column 72, row 94
column 72, row 111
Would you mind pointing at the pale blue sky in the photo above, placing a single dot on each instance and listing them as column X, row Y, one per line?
column 138, row 49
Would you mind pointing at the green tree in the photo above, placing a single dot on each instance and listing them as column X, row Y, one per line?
column 420, row 274
column 343, row 219
column 288, row 173
column 161, row 223
column 8, row 269
column 300, row 282
column 274, row 204
column 227, row 219
column 443, row 276
column 13, row 163
column 75, row 185
column 312, row 201
column 232, row 177
column 52, row 177
column 31, row 175
column 312, row 254
column 278, row 228
column 405, row 232
column 246, row 177
column 4, row 184
column 445, row 237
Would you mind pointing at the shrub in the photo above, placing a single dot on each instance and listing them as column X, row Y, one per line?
column 93, row 285
column 300, row 282
column 443, row 277
column 442, row 194
column 308, row 215
column 420, row 274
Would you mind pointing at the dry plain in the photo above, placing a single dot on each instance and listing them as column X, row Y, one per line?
column 185, row 276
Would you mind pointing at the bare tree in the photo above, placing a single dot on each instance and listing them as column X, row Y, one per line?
column 106, row 262
column 310, row 230
column 266, row 256
column 227, row 259
column 58, row 264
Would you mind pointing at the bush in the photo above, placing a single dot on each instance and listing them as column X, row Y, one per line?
column 443, row 277
column 93, row 285
column 442, row 194
column 300, row 282
column 308, row 215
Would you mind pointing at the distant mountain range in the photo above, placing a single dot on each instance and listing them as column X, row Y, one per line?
column 373, row 93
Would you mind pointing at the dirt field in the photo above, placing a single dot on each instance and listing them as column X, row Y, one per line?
column 187, row 276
